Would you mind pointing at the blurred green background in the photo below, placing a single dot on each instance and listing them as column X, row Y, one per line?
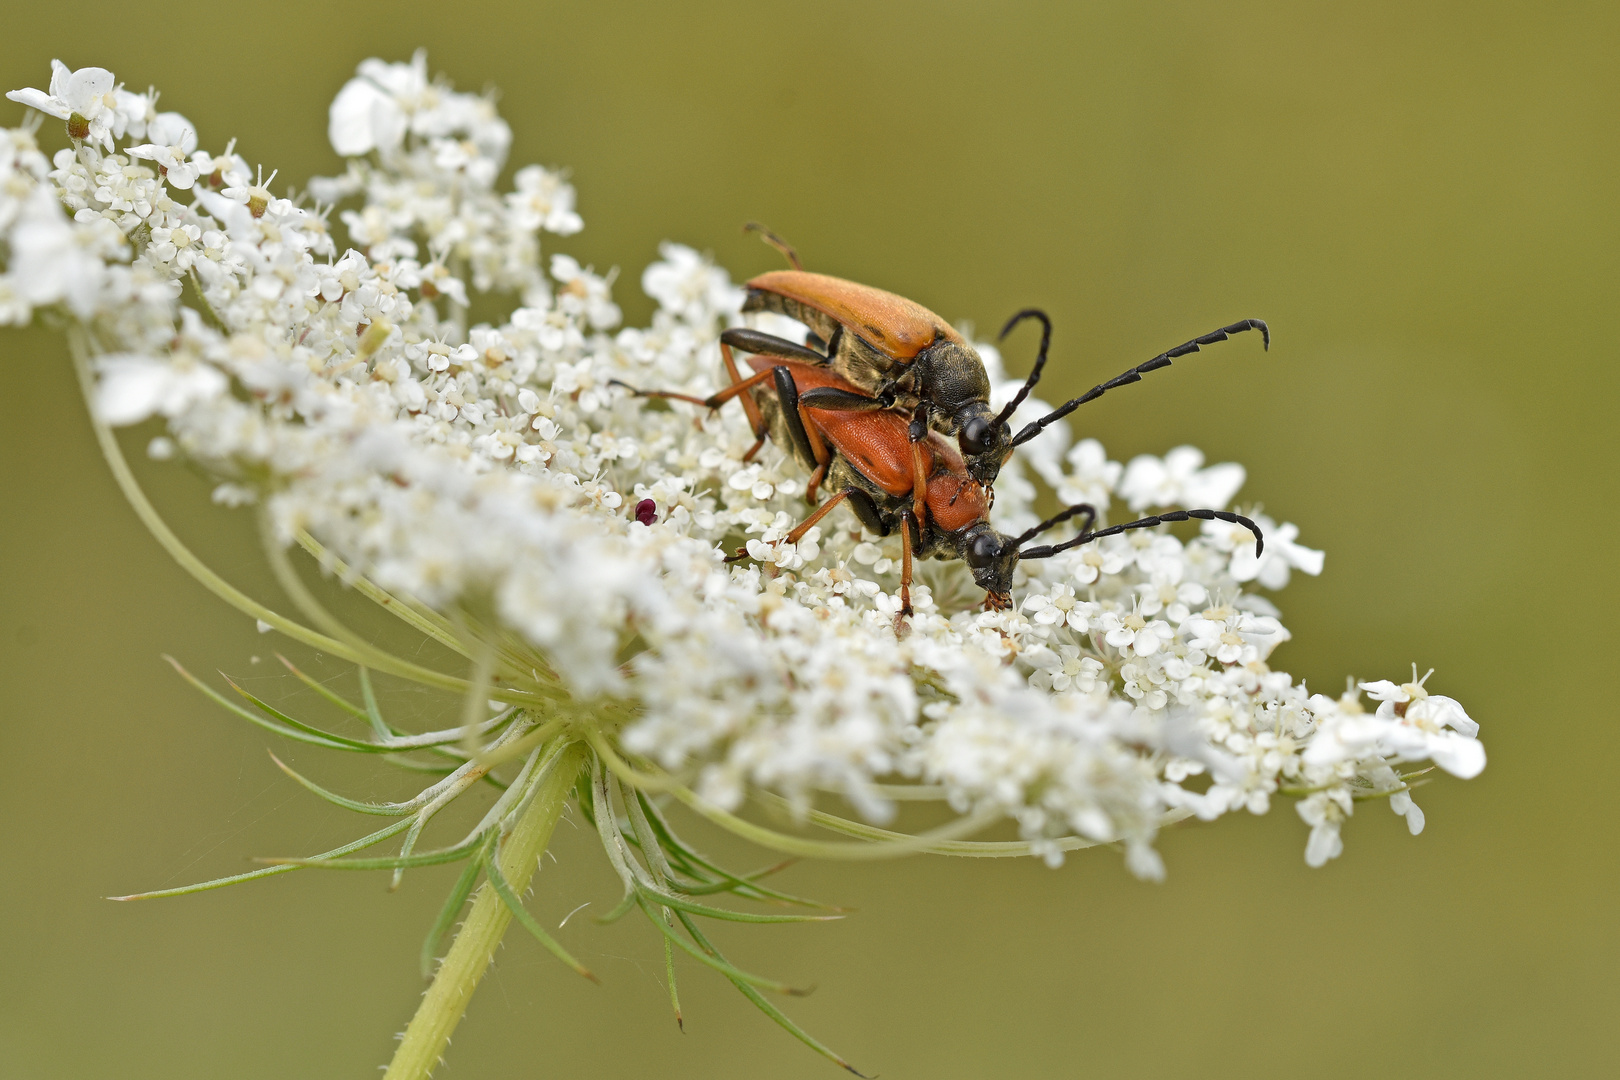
column 1420, row 198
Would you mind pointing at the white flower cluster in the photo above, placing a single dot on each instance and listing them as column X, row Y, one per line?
column 497, row 468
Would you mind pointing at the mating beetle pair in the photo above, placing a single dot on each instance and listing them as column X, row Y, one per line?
column 868, row 417
column 922, row 489
column 899, row 355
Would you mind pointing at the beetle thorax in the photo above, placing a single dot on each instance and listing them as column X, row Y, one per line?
column 951, row 377
column 956, row 501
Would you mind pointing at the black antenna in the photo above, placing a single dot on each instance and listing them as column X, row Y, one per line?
column 1087, row 509
column 1135, row 374
column 776, row 242
column 1046, row 551
column 1040, row 359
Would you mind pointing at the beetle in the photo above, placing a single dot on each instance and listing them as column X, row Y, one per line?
column 896, row 354
column 922, row 488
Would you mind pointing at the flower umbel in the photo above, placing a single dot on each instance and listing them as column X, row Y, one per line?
column 493, row 487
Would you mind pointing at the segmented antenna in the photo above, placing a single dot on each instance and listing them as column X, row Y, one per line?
column 1046, row 551
column 1135, row 374
column 1052, row 522
column 1040, row 359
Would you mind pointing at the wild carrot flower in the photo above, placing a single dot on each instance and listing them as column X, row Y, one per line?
column 495, row 488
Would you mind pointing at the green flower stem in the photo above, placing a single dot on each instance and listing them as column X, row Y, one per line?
column 217, row 585
column 170, row 542
column 412, row 612
column 470, row 955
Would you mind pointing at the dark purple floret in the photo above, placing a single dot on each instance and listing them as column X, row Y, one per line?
column 646, row 511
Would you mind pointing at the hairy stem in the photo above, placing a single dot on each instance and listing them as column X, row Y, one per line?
column 470, row 955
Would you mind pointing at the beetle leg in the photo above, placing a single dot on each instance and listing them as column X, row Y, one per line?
column 787, row 393
column 756, row 419
column 907, row 523
column 818, row 449
column 813, row 487
column 668, row 395
column 905, row 383
column 919, row 486
column 762, row 344
column 738, row 388
column 834, row 399
column 803, row 430
column 835, row 342
column 713, row 401
column 917, row 430
column 866, row 509
column 818, row 445
column 808, row 523
column 739, row 385
column 719, row 398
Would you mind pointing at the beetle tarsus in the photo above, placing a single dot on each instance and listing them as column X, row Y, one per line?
column 667, row 395
column 908, row 522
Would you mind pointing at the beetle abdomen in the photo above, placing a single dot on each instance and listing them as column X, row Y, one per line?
column 823, row 324
column 853, row 356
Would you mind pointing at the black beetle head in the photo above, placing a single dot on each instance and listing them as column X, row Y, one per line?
column 985, row 439
column 991, row 556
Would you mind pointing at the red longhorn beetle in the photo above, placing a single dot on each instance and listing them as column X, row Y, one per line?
column 893, row 353
column 922, row 488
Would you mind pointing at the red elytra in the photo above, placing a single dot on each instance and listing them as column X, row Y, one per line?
column 878, row 446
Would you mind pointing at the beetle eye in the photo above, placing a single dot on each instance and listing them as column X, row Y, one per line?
column 984, row 551
column 975, row 435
